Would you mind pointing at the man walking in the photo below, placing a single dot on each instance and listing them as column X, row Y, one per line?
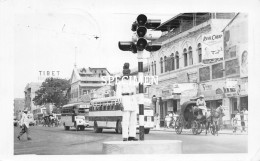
column 125, row 92
column 25, row 125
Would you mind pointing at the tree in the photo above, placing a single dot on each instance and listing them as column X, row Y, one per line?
column 52, row 91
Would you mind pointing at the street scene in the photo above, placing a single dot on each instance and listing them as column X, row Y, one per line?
column 56, row 141
column 172, row 83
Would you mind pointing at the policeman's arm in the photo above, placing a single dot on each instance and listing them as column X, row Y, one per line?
column 119, row 91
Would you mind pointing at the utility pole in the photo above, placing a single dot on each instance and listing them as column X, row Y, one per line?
column 142, row 33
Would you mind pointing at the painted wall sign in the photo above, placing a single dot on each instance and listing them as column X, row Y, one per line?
column 212, row 48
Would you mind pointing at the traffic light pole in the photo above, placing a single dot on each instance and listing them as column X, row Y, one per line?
column 141, row 94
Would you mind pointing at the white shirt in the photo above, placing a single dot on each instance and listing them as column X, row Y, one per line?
column 129, row 101
column 25, row 120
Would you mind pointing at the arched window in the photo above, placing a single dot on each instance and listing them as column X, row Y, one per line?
column 154, row 67
column 173, row 62
column 177, row 58
column 199, row 53
column 161, row 62
column 165, row 64
column 190, row 56
column 185, row 57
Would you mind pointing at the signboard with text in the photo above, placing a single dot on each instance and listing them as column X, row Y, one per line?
column 212, row 48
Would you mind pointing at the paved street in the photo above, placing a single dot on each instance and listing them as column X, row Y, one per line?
column 56, row 141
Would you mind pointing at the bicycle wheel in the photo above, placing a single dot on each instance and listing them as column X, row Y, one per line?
column 199, row 128
column 178, row 126
column 213, row 129
column 194, row 127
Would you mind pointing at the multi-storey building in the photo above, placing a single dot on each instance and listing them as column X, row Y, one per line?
column 18, row 106
column 29, row 93
column 179, row 61
column 84, row 80
column 235, row 62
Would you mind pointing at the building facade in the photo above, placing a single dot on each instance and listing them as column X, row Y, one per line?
column 236, row 62
column 29, row 93
column 18, row 106
column 84, row 80
column 179, row 62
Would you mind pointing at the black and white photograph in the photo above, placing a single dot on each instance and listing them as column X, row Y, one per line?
column 108, row 79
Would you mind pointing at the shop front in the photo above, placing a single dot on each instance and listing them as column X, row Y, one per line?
column 169, row 104
column 215, row 95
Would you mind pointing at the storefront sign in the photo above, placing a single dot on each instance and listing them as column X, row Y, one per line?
column 219, row 91
column 212, row 48
column 231, row 83
column 166, row 93
column 232, row 88
column 207, row 87
column 179, row 88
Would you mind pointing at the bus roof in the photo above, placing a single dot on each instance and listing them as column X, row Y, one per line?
column 105, row 99
column 75, row 104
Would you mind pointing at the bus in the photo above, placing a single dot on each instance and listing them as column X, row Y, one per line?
column 105, row 113
column 75, row 116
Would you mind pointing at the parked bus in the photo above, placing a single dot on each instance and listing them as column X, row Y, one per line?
column 105, row 113
column 75, row 115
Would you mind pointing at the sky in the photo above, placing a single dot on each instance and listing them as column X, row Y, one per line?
column 56, row 35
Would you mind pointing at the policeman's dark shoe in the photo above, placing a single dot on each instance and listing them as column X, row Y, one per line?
column 18, row 137
column 29, row 138
column 124, row 139
column 132, row 139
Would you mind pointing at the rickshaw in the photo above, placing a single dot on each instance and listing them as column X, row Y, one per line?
column 189, row 118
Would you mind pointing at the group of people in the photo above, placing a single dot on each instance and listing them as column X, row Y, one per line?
column 50, row 121
column 240, row 120
column 170, row 118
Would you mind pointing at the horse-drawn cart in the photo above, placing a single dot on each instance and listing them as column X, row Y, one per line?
column 190, row 117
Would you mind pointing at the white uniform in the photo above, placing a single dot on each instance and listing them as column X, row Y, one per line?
column 25, row 126
column 25, row 120
column 202, row 105
column 125, row 91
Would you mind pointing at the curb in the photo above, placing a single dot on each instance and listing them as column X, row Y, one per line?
column 187, row 131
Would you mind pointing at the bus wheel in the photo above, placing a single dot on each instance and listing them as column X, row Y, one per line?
column 119, row 127
column 82, row 128
column 146, row 131
column 67, row 127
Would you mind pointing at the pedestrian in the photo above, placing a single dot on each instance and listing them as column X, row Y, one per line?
column 244, row 117
column 157, row 124
column 25, row 126
column 126, row 91
column 238, row 118
column 234, row 123
column 167, row 120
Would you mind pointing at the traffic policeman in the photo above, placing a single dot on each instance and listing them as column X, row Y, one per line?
column 126, row 91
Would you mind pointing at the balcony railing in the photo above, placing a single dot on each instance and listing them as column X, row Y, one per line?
column 184, row 27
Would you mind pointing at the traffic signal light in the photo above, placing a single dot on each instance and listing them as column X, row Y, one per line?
column 127, row 46
column 143, row 34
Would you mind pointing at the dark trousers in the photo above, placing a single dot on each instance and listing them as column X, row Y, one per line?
column 25, row 130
